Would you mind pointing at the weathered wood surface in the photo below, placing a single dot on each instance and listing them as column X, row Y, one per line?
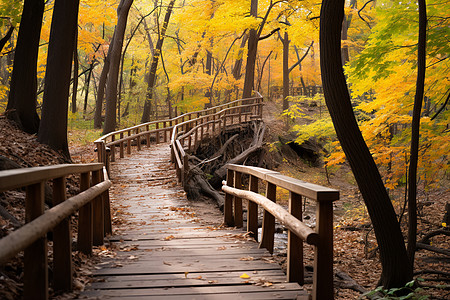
column 165, row 250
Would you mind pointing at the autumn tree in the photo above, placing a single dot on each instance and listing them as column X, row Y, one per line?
column 396, row 269
column 23, row 88
column 113, row 74
column 53, row 126
column 154, row 65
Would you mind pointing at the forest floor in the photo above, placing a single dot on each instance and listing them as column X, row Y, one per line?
column 355, row 248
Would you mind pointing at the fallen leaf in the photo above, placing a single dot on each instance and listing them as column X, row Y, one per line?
column 186, row 274
column 244, row 276
column 167, row 263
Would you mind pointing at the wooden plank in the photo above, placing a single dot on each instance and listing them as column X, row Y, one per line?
column 268, row 295
column 191, row 281
column 181, row 276
column 201, row 290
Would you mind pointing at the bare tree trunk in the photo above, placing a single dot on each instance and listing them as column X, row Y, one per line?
column 113, row 74
column 394, row 260
column 415, row 128
column 154, row 65
column 238, row 63
column 21, row 105
column 251, row 56
column 75, row 74
column 101, row 87
column 285, row 41
column 53, row 126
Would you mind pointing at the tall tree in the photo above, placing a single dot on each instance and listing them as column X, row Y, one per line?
column 251, row 55
column 23, row 88
column 396, row 270
column 113, row 74
column 102, row 86
column 53, row 126
column 154, row 65
column 414, row 152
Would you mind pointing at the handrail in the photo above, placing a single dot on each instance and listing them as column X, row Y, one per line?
column 322, row 238
column 161, row 129
column 94, row 222
column 236, row 112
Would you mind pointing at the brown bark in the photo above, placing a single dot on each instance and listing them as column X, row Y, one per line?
column 251, row 55
column 101, row 87
column 415, row 130
column 155, row 59
column 6, row 37
column 113, row 74
column 21, row 105
column 53, row 126
column 238, row 63
column 75, row 74
column 396, row 270
column 285, row 41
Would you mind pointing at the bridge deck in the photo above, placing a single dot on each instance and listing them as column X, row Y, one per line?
column 163, row 251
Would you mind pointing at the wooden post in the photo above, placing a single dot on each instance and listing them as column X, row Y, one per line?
column 268, row 226
column 295, row 244
column 129, row 143
column 323, row 252
column 100, row 151
column 107, row 210
column 62, row 243
column 189, row 142
column 252, row 210
column 98, row 211
column 121, row 152
column 228, row 204
column 138, row 140
column 147, row 128
column 157, row 133
column 35, row 278
column 84, row 243
column 113, row 148
column 185, row 167
column 170, row 132
column 238, row 218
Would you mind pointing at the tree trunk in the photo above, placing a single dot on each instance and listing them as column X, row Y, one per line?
column 21, row 105
column 102, row 86
column 87, row 83
column 75, row 74
column 152, row 76
column 6, row 37
column 394, row 260
column 251, row 55
column 415, row 130
column 53, row 127
column 285, row 41
column 113, row 74
column 238, row 63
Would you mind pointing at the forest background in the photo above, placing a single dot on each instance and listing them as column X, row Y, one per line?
column 180, row 56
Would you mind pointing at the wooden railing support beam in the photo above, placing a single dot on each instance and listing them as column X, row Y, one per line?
column 35, row 260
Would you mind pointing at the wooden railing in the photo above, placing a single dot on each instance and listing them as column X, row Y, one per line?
column 189, row 127
column 187, row 135
column 94, row 222
column 321, row 238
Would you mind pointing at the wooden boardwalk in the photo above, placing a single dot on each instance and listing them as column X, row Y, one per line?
column 163, row 251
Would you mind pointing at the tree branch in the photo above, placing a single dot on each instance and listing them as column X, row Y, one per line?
column 268, row 35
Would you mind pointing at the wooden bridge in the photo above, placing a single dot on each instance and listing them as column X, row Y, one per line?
column 163, row 251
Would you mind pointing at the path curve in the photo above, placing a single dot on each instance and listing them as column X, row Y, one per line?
column 161, row 249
